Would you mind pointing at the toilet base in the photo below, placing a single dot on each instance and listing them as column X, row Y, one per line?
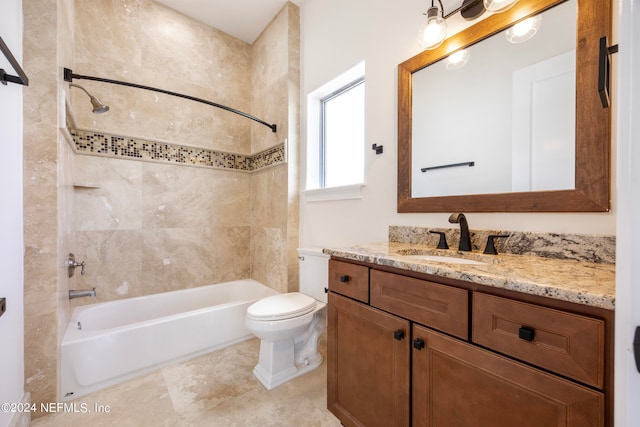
column 281, row 361
column 271, row 381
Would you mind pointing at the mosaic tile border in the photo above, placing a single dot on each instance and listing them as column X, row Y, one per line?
column 109, row 145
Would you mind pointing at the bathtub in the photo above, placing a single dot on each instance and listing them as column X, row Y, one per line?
column 110, row 342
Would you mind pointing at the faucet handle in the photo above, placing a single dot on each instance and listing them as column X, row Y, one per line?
column 490, row 248
column 442, row 243
column 72, row 264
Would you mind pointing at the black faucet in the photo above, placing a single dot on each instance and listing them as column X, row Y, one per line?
column 465, row 237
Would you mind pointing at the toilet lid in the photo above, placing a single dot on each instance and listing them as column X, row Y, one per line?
column 282, row 306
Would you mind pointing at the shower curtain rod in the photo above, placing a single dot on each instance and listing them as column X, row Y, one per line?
column 69, row 76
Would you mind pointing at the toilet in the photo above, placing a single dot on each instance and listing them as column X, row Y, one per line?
column 289, row 325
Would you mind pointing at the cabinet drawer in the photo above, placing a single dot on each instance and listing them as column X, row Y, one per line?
column 349, row 279
column 566, row 343
column 438, row 306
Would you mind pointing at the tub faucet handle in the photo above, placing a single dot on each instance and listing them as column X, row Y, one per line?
column 72, row 264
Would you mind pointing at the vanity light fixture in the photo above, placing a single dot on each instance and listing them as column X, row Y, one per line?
column 457, row 60
column 523, row 30
column 498, row 5
column 433, row 30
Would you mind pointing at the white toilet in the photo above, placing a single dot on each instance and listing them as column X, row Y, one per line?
column 290, row 324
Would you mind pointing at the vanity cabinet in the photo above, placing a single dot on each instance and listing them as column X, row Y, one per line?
column 414, row 351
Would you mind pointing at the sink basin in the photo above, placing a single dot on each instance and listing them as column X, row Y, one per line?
column 449, row 259
column 443, row 256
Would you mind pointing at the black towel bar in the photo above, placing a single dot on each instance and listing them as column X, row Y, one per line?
column 452, row 165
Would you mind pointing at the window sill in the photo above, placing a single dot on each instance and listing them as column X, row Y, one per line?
column 345, row 192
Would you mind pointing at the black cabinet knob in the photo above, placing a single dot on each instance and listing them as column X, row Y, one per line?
column 398, row 334
column 526, row 333
column 418, row 344
column 344, row 278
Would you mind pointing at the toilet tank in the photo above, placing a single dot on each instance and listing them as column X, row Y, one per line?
column 314, row 272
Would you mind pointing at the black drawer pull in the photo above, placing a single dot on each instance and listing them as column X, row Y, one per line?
column 344, row 278
column 526, row 333
column 398, row 334
column 418, row 344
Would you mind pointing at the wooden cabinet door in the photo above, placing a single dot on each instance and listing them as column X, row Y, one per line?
column 456, row 384
column 368, row 365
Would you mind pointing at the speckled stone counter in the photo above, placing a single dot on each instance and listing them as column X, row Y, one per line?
column 582, row 282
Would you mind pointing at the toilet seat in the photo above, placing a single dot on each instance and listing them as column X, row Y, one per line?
column 281, row 306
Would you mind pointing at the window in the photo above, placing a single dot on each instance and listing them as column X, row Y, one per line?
column 342, row 136
column 334, row 148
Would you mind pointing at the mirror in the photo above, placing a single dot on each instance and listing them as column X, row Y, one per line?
column 504, row 120
column 427, row 129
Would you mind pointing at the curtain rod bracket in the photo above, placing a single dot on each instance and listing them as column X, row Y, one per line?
column 69, row 76
column 5, row 78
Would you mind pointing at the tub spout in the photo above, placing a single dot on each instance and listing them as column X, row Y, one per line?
column 85, row 293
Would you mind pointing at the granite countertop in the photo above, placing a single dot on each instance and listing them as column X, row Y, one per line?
column 587, row 283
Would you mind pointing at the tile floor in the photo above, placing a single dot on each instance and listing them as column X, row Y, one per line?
column 217, row 389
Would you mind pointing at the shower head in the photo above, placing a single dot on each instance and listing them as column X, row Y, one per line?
column 98, row 107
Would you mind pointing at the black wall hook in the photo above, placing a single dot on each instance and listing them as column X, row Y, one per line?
column 377, row 148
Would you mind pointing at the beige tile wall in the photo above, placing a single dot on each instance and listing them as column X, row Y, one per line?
column 48, row 42
column 144, row 228
column 149, row 44
column 274, row 192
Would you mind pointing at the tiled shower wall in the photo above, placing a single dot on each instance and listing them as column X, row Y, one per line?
column 275, row 78
column 142, row 226
column 48, row 163
column 146, row 227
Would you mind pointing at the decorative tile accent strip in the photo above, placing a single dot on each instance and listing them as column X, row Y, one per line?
column 577, row 247
column 271, row 156
column 102, row 144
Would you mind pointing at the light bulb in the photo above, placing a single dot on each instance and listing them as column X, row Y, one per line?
column 457, row 60
column 433, row 31
column 498, row 5
column 523, row 30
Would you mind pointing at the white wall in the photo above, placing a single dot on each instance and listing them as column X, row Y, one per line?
column 627, row 378
column 11, row 244
column 338, row 34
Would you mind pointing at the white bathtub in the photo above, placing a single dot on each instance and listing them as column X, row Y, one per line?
column 107, row 343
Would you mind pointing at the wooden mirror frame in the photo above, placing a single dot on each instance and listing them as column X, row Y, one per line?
column 593, row 122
